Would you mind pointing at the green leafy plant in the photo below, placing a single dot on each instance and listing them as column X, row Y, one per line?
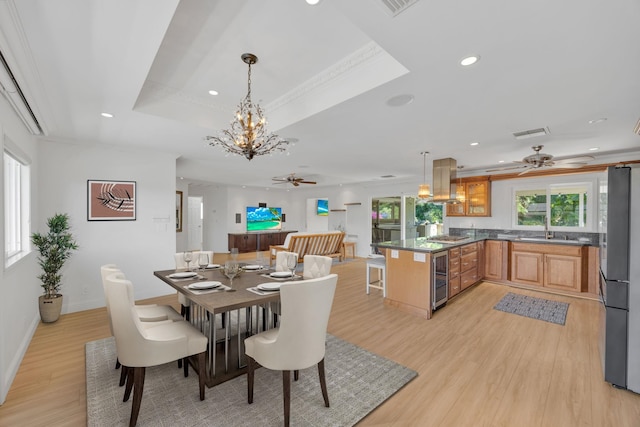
column 55, row 248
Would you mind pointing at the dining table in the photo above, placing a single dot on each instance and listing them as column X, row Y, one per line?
column 211, row 293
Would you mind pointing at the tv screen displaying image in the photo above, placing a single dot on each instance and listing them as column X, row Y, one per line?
column 264, row 219
column 322, row 207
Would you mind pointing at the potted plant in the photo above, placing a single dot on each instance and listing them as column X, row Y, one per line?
column 55, row 248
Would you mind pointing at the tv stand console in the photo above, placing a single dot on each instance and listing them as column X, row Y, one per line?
column 257, row 240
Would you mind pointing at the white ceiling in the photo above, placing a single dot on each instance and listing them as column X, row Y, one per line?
column 324, row 75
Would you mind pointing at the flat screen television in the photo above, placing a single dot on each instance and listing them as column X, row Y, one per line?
column 322, row 207
column 264, row 218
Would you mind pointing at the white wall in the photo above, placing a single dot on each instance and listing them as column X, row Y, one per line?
column 138, row 247
column 19, row 285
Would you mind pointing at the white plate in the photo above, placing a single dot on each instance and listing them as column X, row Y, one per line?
column 280, row 274
column 183, row 275
column 252, row 267
column 213, row 266
column 269, row 286
column 204, row 285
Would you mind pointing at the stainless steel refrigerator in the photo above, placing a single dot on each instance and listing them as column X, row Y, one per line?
column 620, row 278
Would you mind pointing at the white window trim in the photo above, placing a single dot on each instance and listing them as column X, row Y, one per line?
column 25, row 200
column 548, row 187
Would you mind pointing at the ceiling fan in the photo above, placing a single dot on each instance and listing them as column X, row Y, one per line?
column 293, row 180
column 542, row 160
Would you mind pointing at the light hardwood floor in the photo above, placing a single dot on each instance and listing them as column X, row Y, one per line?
column 476, row 366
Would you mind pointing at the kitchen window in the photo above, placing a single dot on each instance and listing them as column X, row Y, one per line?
column 562, row 207
column 16, row 207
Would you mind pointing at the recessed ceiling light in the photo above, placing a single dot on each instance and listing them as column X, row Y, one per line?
column 600, row 120
column 107, row 115
column 500, row 161
column 313, row 2
column 213, row 92
column 400, row 100
column 594, row 148
column 469, row 60
column 474, row 143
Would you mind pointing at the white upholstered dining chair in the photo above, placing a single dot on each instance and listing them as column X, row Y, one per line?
column 316, row 266
column 299, row 341
column 138, row 347
column 281, row 260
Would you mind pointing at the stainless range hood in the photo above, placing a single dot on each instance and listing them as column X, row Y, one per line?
column 444, row 177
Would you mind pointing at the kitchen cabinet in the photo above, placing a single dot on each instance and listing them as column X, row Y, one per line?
column 551, row 266
column 476, row 195
column 251, row 242
column 496, row 260
column 468, row 265
column 454, row 272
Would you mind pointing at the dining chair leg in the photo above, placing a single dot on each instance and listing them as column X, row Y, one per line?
column 323, row 383
column 202, row 372
column 129, row 387
column 296, row 375
column 251, row 367
column 179, row 363
column 138, row 388
column 123, row 376
column 286, row 391
column 117, row 363
column 185, row 365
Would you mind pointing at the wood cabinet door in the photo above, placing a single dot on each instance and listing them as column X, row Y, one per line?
column 562, row 272
column 456, row 209
column 478, row 199
column 527, row 268
column 454, row 286
column 493, row 260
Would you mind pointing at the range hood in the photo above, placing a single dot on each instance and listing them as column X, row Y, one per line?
column 444, row 177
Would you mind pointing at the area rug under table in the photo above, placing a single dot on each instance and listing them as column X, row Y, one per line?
column 358, row 381
column 535, row 308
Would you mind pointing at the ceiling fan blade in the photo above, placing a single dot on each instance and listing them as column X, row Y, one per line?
column 567, row 165
column 295, row 183
column 505, row 169
column 580, row 159
column 307, row 182
column 279, row 182
column 527, row 170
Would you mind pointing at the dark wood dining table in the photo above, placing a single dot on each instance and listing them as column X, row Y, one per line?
column 206, row 304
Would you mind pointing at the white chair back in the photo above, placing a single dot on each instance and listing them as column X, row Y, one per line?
column 306, row 306
column 281, row 260
column 133, row 347
column 316, row 266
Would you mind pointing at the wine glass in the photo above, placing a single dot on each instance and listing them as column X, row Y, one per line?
column 203, row 261
column 188, row 257
column 292, row 263
column 231, row 269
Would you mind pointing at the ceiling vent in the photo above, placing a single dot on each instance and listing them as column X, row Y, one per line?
column 531, row 133
column 12, row 92
column 395, row 7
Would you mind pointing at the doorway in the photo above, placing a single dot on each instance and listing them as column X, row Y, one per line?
column 195, row 212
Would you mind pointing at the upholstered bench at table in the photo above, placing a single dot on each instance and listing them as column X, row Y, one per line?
column 309, row 243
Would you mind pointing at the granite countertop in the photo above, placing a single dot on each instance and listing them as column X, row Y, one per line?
column 422, row 244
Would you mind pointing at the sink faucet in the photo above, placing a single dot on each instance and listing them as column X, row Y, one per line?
column 547, row 234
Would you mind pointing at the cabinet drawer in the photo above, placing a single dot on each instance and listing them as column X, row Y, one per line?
column 468, row 262
column 454, row 253
column 467, row 279
column 454, row 287
column 454, row 272
column 454, row 263
column 466, row 249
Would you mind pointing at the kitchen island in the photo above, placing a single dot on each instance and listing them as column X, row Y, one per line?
column 414, row 270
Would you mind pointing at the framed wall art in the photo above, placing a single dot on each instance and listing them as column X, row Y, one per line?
column 178, row 211
column 111, row 200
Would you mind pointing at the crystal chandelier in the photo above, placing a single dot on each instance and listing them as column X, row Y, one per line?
column 424, row 190
column 248, row 135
